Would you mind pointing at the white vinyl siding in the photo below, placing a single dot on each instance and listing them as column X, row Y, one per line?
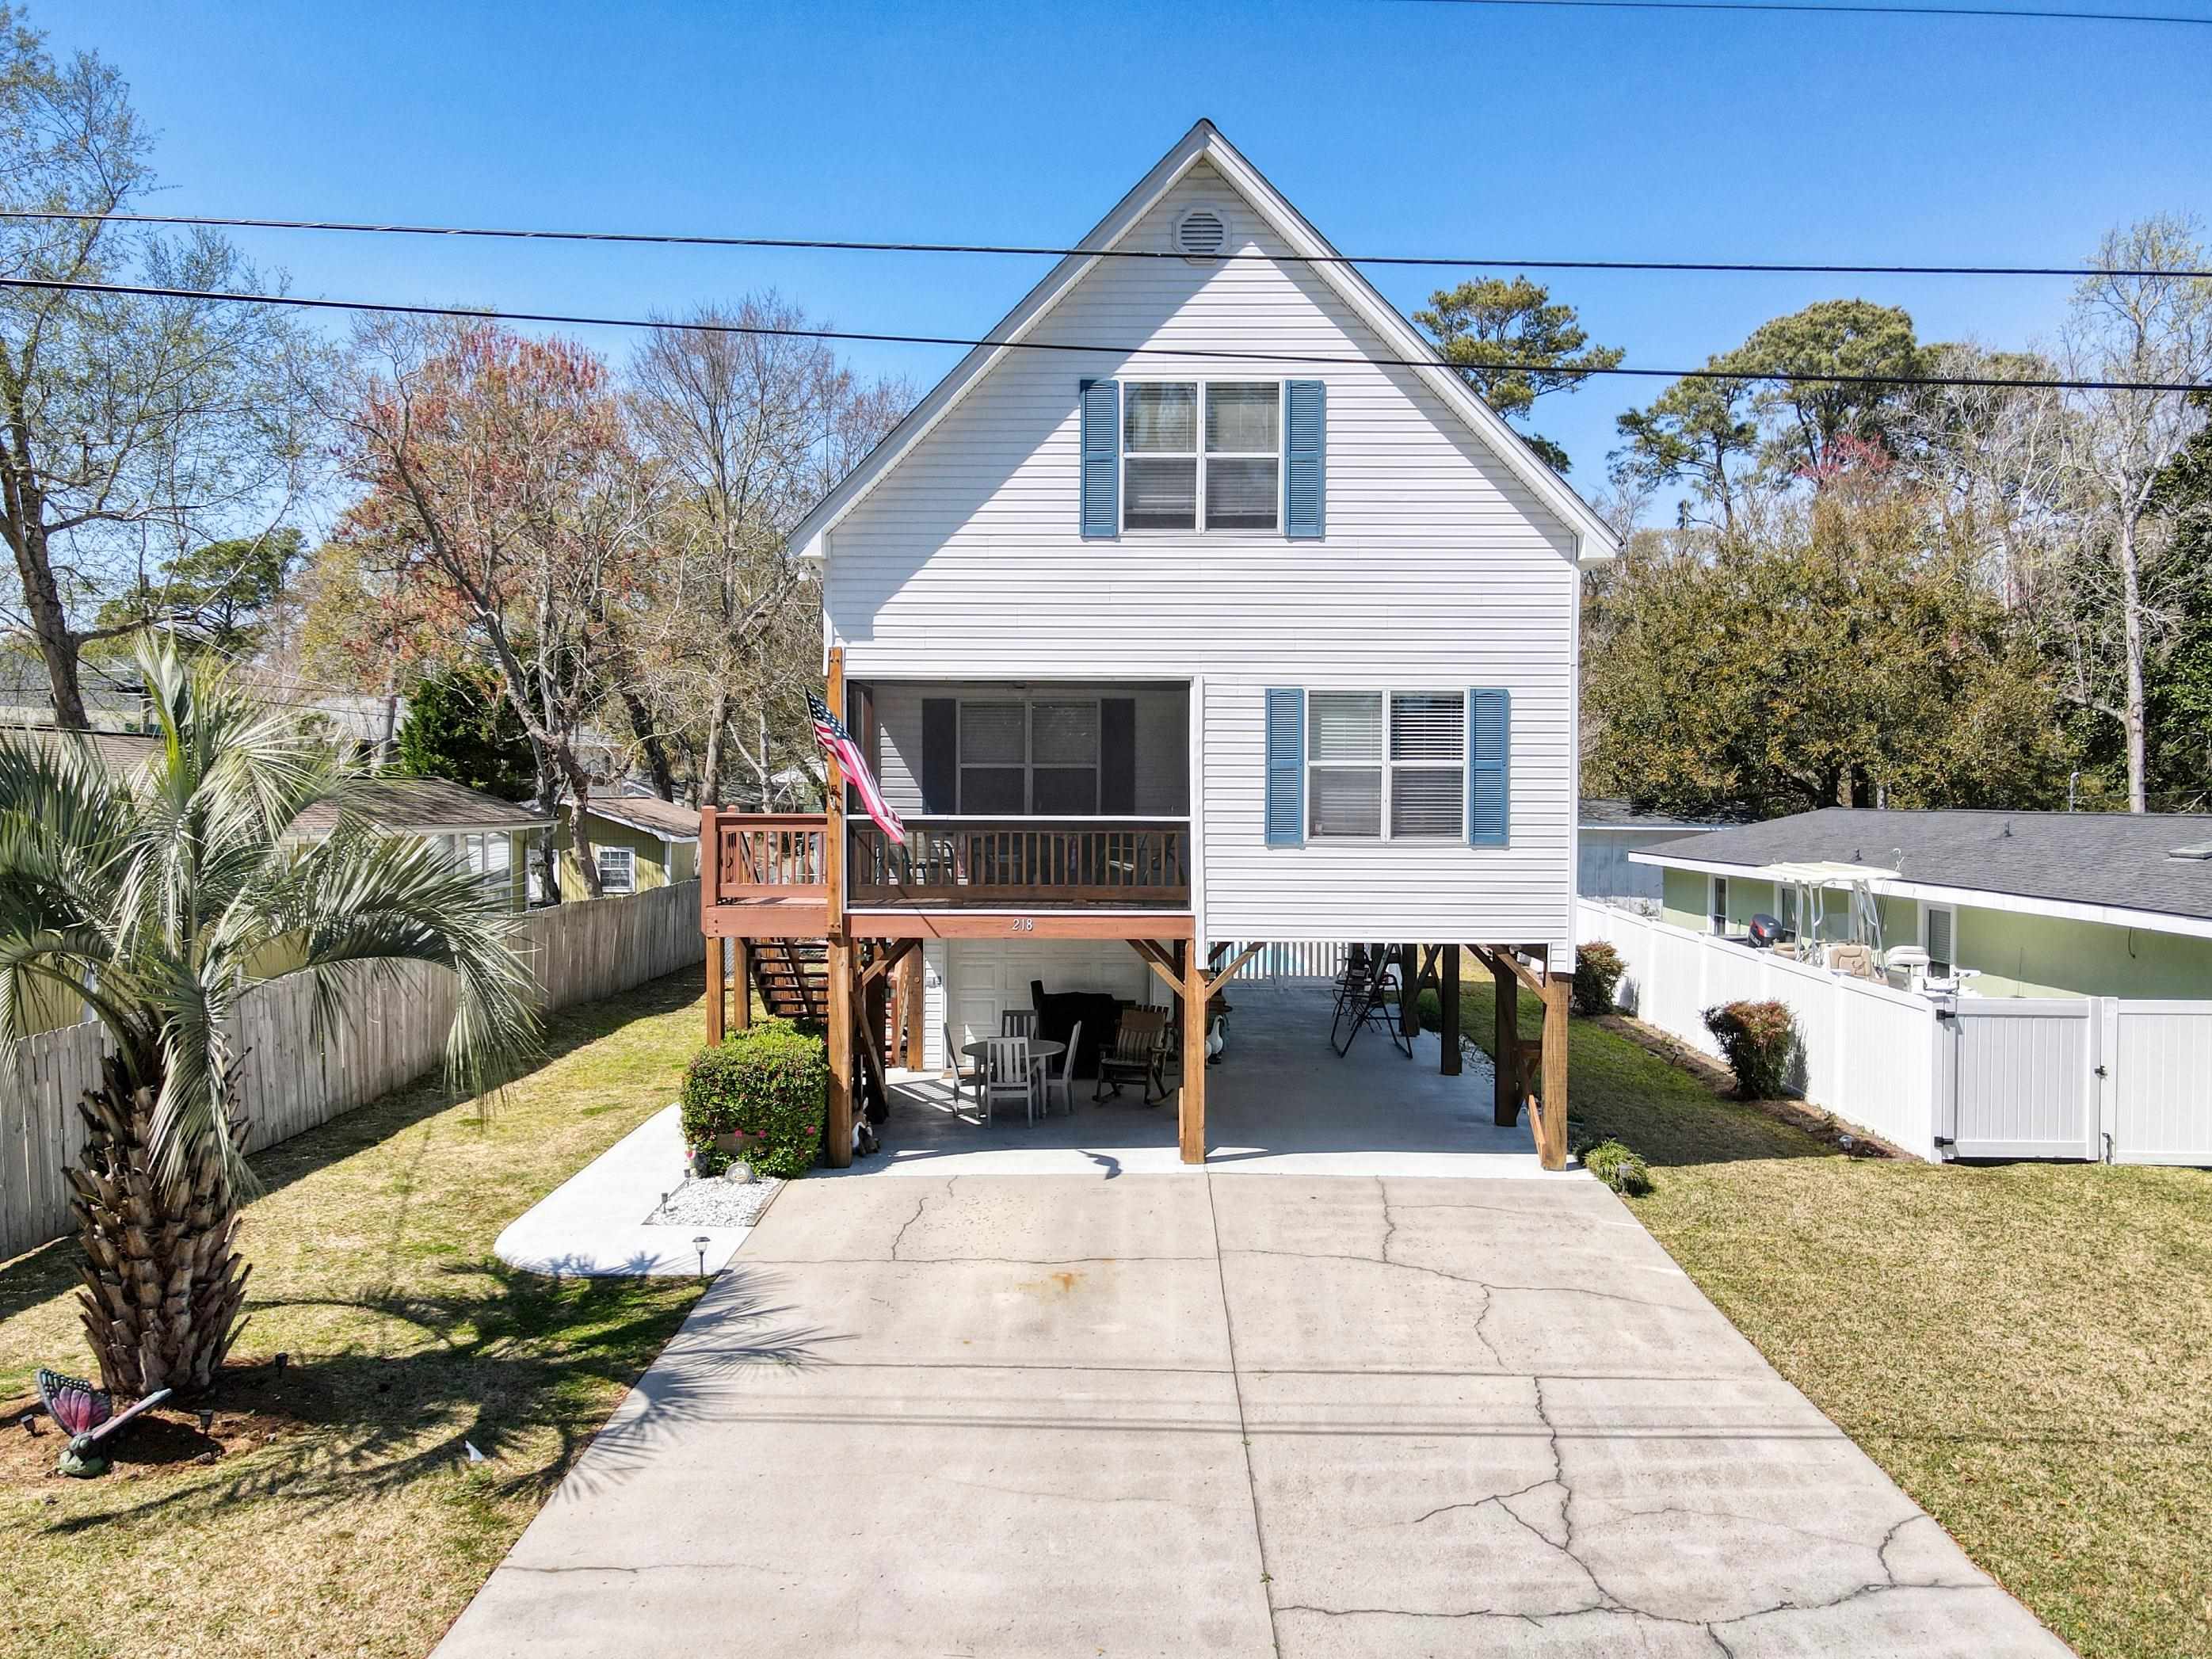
column 1440, row 569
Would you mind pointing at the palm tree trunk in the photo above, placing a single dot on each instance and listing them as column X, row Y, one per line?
column 162, row 1284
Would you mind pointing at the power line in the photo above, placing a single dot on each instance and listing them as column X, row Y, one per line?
column 569, row 320
column 1845, row 11
column 830, row 244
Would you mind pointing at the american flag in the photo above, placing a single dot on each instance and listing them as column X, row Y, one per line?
column 837, row 743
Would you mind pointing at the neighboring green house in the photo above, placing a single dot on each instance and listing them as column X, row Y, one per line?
column 2034, row 904
column 496, row 838
column 639, row 841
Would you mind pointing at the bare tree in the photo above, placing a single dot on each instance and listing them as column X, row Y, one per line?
column 125, row 422
column 752, row 428
column 2118, row 445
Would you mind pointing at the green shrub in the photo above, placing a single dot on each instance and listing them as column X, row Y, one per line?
column 1623, row 1171
column 1429, row 1009
column 1598, row 968
column 768, row 1084
column 1758, row 1040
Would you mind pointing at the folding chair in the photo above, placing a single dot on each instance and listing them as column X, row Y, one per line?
column 1370, row 994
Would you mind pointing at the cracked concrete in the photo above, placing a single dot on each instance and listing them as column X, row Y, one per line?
column 1291, row 1416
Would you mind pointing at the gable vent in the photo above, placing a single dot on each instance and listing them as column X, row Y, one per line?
column 1200, row 234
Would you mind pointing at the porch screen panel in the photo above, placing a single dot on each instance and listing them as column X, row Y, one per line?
column 1064, row 757
column 993, row 757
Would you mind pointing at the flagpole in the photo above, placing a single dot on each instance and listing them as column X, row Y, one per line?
column 839, row 964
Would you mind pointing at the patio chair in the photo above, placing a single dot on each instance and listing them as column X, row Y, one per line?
column 1009, row 1074
column 1064, row 1085
column 1138, row 1053
column 1018, row 1022
column 1369, row 995
column 962, row 1073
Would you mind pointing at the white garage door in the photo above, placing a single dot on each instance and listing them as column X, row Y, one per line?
column 984, row 977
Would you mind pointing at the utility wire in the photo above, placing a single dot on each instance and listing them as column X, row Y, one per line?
column 1845, row 11
column 827, row 245
column 569, row 320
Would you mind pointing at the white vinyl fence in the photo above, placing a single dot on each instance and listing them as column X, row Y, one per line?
column 1998, row 1077
column 394, row 1032
column 1292, row 961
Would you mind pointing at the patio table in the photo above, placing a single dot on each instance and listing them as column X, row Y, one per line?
column 1040, row 1049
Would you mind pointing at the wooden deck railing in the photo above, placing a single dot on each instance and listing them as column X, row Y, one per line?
column 1142, row 865
column 759, row 856
column 780, row 858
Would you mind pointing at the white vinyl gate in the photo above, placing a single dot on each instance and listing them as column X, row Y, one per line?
column 2023, row 1076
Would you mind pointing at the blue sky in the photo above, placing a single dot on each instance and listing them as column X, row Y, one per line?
column 1396, row 127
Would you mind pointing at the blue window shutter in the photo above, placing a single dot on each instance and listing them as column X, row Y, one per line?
column 1489, row 767
column 1305, row 470
column 1286, row 769
column 1101, row 459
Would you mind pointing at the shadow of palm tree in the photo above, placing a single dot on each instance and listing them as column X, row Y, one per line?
column 495, row 1368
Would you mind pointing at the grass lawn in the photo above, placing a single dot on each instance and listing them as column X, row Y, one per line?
column 2026, row 1349
column 337, row 1515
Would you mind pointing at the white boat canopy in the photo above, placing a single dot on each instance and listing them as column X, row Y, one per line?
column 1821, row 873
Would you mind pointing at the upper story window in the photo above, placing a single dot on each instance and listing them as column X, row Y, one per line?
column 1375, row 759
column 1201, row 455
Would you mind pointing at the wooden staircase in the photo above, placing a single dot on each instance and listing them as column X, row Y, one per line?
column 793, row 978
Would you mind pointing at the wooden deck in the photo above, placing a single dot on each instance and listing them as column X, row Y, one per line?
column 766, row 876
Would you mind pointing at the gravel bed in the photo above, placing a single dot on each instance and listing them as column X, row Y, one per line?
column 714, row 1202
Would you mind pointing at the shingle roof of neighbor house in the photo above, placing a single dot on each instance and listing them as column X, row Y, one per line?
column 650, row 813
column 1605, row 813
column 431, row 805
column 2118, row 859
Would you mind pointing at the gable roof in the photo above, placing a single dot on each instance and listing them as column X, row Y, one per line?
column 1594, row 539
column 650, row 813
column 2119, row 861
column 425, row 805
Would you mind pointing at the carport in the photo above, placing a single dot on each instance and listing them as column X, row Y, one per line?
column 1280, row 1100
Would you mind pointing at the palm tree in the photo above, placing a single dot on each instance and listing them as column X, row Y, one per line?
column 157, row 899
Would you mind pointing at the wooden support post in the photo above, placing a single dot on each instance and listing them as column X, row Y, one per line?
column 1409, row 980
column 1552, row 1134
column 1190, row 1109
column 1448, row 995
column 837, row 1137
column 714, row 992
column 742, row 1015
column 1505, row 1044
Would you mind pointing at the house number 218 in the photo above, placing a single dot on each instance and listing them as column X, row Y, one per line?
column 1021, row 925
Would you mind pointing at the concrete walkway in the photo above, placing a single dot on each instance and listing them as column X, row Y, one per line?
column 1190, row 1414
column 593, row 1226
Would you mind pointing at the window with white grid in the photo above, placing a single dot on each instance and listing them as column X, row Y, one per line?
column 1386, row 765
column 1201, row 455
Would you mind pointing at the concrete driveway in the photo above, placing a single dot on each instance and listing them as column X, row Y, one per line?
column 1184, row 1413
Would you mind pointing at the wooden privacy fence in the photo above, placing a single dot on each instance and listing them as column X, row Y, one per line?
column 394, row 1032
